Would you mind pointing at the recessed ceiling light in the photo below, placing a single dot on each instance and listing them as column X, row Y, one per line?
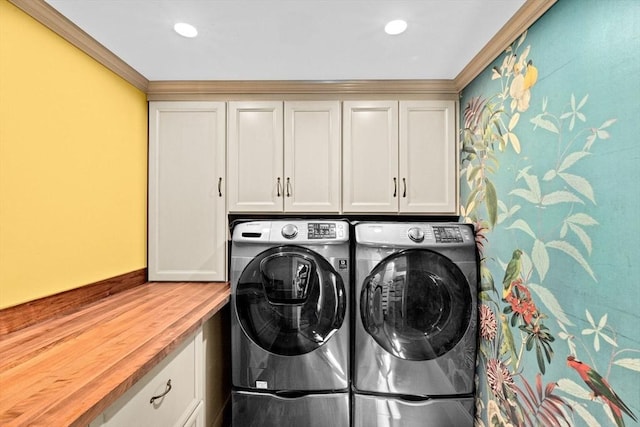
column 395, row 27
column 185, row 30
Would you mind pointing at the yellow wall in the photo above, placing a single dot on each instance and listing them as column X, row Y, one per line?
column 73, row 149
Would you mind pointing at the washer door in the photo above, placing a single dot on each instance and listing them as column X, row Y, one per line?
column 290, row 300
column 416, row 304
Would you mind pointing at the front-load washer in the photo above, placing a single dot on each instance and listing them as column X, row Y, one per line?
column 290, row 323
column 415, row 324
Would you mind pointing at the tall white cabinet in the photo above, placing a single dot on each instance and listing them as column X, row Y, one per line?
column 399, row 157
column 187, row 211
column 284, row 156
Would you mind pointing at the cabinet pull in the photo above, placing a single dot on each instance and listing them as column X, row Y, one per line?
column 404, row 184
column 395, row 187
column 278, row 187
column 160, row 396
column 288, row 187
column 220, row 187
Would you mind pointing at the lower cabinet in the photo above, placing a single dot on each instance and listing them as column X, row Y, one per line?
column 170, row 395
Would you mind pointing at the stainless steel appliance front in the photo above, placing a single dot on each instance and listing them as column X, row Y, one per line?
column 415, row 325
column 290, row 328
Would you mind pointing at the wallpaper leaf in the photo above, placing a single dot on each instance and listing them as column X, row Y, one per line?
column 633, row 364
column 540, row 258
column 579, row 184
column 521, row 224
column 559, row 197
column 571, row 159
column 582, row 235
column 540, row 121
column 570, row 250
column 552, row 304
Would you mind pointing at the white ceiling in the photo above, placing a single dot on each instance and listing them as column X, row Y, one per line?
column 292, row 39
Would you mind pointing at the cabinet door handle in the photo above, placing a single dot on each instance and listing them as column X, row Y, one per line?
column 220, row 187
column 404, row 184
column 160, row 396
column 278, row 187
column 395, row 187
column 288, row 187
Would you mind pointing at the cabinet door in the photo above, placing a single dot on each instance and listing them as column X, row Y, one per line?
column 428, row 157
column 255, row 158
column 312, row 156
column 187, row 213
column 370, row 153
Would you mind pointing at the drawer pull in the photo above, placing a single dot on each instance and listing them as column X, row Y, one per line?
column 160, row 396
column 220, row 187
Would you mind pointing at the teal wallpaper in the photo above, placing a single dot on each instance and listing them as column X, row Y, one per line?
column 549, row 174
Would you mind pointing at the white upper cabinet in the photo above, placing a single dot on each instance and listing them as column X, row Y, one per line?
column 399, row 157
column 284, row 157
column 187, row 212
column 370, row 150
column 428, row 157
column 255, row 156
column 312, row 156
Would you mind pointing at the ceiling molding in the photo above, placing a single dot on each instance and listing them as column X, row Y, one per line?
column 59, row 24
column 528, row 13
column 160, row 89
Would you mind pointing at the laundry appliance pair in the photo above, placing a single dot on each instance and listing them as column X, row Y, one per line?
column 371, row 324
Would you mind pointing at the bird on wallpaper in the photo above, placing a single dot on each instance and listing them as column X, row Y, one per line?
column 530, row 75
column 601, row 387
column 512, row 272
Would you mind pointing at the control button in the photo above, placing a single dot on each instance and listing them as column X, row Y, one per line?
column 416, row 234
column 289, row 231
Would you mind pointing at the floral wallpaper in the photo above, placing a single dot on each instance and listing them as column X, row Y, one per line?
column 550, row 177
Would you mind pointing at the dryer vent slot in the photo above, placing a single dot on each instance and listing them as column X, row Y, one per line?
column 249, row 234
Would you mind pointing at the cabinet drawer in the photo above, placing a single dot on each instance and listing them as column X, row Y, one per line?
column 183, row 368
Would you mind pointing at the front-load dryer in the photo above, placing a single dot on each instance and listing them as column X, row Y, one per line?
column 289, row 326
column 415, row 324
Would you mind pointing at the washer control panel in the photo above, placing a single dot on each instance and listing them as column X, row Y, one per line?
column 292, row 231
column 322, row 230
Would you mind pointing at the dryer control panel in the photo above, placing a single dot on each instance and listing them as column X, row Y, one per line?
column 447, row 234
column 414, row 234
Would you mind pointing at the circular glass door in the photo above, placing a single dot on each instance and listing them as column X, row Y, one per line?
column 416, row 304
column 290, row 300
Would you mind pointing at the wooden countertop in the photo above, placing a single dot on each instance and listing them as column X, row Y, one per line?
column 68, row 370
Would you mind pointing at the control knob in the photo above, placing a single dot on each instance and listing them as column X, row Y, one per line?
column 416, row 234
column 289, row 231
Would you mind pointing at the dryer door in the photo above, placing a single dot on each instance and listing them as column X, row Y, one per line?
column 416, row 304
column 290, row 300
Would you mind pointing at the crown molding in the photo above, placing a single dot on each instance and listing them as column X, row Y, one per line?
column 59, row 24
column 528, row 13
column 161, row 89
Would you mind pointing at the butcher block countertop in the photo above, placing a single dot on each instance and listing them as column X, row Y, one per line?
column 68, row 370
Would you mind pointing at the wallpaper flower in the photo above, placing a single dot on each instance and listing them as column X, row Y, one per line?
column 549, row 354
